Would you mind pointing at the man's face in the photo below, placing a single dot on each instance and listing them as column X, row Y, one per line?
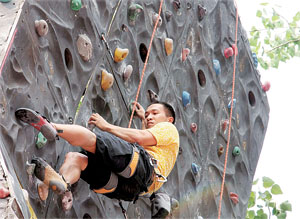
column 156, row 113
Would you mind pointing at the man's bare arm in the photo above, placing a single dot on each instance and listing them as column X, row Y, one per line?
column 142, row 137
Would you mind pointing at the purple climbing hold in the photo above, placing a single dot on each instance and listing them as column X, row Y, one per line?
column 217, row 66
column 201, row 12
column 176, row 5
column 195, row 168
column 41, row 27
column 186, row 98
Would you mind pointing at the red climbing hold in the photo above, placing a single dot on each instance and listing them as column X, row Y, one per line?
column 225, row 124
column 193, row 127
column 185, row 53
column 266, row 86
column 228, row 52
column 4, row 192
column 235, row 49
column 234, row 198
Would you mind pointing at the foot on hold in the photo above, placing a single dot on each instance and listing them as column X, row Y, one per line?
column 43, row 191
column 67, row 200
column 161, row 205
column 49, row 176
column 38, row 121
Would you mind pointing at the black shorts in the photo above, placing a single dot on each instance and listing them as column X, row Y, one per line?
column 113, row 154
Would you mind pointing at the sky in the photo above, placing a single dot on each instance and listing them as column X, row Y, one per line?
column 279, row 158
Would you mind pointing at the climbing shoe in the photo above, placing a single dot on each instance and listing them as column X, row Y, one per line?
column 162, row 205
column 44, row 172
column 38, row 121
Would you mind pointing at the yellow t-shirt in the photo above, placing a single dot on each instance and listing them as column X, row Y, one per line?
column 165, row 151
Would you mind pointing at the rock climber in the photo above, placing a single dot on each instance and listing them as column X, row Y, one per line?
column 121, row 163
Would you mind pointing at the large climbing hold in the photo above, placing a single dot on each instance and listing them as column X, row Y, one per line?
column 201, row 12
column 107, row 80
column 266, row 86
column 120, row 54
column 228, row 52
column 236, row 151
column 133, row 12
column 41, row 27
column 156, row 16
column 76, row 5
column 194, row 127
column 217, row 66
column 234, row 197
column 184, row 54
column 168, row 46
column 186, row 98
column 127, row 72
column 84, row 47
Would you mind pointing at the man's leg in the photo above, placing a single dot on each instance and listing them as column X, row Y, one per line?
column 77, row 136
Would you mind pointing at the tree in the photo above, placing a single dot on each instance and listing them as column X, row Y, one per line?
column 279, row 38
column 260, row 201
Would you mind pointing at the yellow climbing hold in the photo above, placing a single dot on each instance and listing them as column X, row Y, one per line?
column 107, row 80
column 120, row 54
column 169, row 46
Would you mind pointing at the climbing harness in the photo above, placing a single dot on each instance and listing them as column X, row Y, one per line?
column 230, row 118
column 146, row 61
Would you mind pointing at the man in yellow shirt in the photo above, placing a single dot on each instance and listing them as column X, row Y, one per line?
column 121, row 163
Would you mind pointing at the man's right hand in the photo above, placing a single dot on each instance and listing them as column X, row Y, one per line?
column 140, row 112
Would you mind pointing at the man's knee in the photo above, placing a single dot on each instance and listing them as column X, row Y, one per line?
column 77, row 159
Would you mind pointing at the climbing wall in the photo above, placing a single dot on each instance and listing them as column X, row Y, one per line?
column 60, row 63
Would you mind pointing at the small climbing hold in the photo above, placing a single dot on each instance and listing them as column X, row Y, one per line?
column 153, row 96
column 194, row 127
column 236, row 151
column 120, row 54
column 30, row 168
column 228, row 52
column 169, row 46
column 41, row 27
column 133, row 12
column 186, row 98
column 266, row 86
column 130, row 107
column 229, row 105
column 176, row 5
column 168, row 16
column 84, row 47
column 188, row 5
column 220, row 150
column 184, row 54
column 40, row 140
column 4, row 192
column 155, row 16
column 255, row 60
column 224, row 124
column 217, row 66
column 174, row 204
column 195, row 168
column 124, row 28
column 107, row 80
column 127, row 72
column 201, row 12
column 76, row 5
column 234, row 197
column 235, row 49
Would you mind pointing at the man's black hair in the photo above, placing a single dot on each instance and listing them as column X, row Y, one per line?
column 170, row 112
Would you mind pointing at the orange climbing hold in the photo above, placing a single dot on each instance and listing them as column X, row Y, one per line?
column 120, row 54
column 169, row 46
column 107, row 80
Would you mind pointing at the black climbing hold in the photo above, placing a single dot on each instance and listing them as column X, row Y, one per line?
column 143, row 52
column 68, row 59
column 176, row 5
column 201, row 78
column 124, row 28
column 251, row 98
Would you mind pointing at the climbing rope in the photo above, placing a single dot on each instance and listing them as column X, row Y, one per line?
column 146, row 61
column 231, row 109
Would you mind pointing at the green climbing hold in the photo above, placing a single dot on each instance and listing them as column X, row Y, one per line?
column 40, row 140
column 76, row 5
column 236, row 151
column 133, row 12
column 131, row 104
column 5, row 1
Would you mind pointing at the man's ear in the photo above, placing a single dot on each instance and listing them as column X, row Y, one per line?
column 170, row 119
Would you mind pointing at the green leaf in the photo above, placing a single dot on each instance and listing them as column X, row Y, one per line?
column 282, row 215
column 267, row 182
column 252, row 199
column 297, row 17
column 255, row 182
column 272, row 204
column 275, row 17
column 276, row 190
column 268, row 195
column 291, row 51
column 264, row 3
column 250, row 214
column 262, row 214
column 286, row 206
column 258, row 13
column 275, row 211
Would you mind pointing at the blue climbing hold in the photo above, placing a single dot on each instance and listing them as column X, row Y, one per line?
column 217, row 66
column 229, row 105
column 255, row 61
column 186, row 98
column 195, row 168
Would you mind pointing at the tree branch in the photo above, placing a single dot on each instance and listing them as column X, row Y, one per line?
column 283, row 44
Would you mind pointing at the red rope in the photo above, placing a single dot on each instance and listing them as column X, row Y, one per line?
column 230, row 118
column 8, row 49
column 146, row 61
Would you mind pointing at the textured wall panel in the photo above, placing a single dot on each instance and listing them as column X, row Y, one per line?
column 49, row 75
